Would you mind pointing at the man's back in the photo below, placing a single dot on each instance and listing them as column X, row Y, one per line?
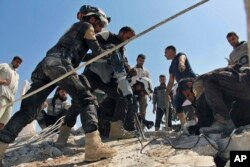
column 240, row 54
column 174, row 68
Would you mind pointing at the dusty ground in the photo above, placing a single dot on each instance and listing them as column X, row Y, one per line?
column 156, row 154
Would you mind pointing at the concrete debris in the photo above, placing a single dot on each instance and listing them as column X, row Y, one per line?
column 157, row 153
column 238, row 142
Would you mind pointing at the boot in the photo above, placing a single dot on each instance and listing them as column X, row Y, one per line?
column 157, row 128
column 94, row 148
column 63, row 135
column 226, row 126
column 3, row 147
column 118, row 132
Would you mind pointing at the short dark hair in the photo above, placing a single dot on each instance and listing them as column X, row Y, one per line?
column 171, row 47
column 142, row 56
column 126, row 29
column 162, row 75
column 232, row 34
column 17, row 58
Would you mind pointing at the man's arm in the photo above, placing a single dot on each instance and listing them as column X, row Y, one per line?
column 170, row 84
column 154, row 99
column 3, row 81
column 91, row 41
column 182, row 61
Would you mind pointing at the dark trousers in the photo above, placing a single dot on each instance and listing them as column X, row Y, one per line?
column 222, row 83
column 178, row 101
column 159, row 114
column 48, row 120
column 48, row 70
column 94, row 82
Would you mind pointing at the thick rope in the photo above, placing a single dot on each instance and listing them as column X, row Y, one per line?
column 108, row 51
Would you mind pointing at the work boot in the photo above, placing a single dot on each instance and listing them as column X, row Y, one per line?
column 226, row 126
column 63, row 135
column 118, row 132
column 157, row 128
column 3, row 147
column 94, row 148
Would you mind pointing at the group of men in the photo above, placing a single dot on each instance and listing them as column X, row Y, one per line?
column 220, row 97
column 215, row 96
column 208, row 93
column 67, row 54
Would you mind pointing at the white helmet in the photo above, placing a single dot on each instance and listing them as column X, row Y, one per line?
column 88, row 10
column 147, row 84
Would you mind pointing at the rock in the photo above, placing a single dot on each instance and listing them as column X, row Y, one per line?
column 157, row 153
column 79, row 140
column 227, row 164
column 52, row 151
column 191, row 159
column 203, row 147
column 50, row 159
column 24, row 158
column 24, row 150
column 239, row 142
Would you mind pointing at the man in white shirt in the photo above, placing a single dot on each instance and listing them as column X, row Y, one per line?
column 240, row 50
column 137, row 87
column 8, row 86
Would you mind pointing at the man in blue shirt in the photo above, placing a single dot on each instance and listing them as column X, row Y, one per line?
column 179, row 69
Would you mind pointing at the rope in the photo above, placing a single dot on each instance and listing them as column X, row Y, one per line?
column 108, row 51
column 45, row 133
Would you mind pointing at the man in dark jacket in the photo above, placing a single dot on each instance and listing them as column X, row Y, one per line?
column 220, row 98
column 100, row 75
column 60, row 59
column 160, row 105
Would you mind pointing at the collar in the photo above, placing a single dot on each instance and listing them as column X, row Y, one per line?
column 240, row 43
column 138, row 66
column 163, row 85
column 11, row 66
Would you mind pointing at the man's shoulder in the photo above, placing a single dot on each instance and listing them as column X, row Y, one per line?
column 83, row 23
column 160, row 87
column 104, row 35
column 180, row 54
column 82, row 26
column 4, row 64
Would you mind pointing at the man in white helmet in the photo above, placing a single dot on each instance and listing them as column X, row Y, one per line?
column 67, row 54
column 100, row 75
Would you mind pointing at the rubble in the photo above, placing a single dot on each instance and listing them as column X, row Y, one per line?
column 157, row 153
